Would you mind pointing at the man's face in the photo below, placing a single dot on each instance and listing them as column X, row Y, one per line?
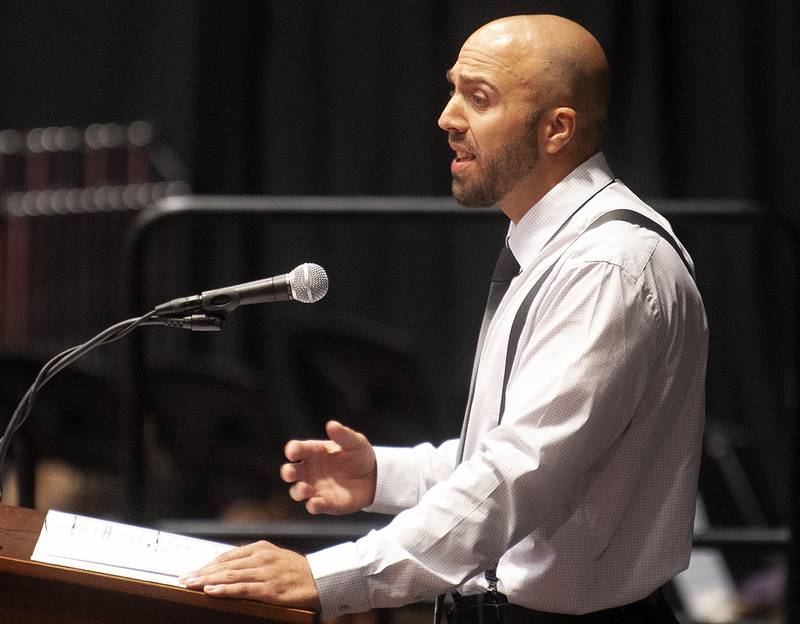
column 491, row 120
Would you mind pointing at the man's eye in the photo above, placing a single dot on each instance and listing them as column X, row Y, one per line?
column 479, row 100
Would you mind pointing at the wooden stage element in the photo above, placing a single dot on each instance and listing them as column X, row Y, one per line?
column 37, row 593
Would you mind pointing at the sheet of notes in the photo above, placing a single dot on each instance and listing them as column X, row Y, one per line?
column 121, row 549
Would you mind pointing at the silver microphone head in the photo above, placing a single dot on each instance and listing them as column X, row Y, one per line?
column 309, row 283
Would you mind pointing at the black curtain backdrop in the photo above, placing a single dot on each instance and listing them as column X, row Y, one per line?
column 342, row 97
column 302, row 97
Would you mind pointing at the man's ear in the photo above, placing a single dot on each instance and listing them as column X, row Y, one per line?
column 558, row 128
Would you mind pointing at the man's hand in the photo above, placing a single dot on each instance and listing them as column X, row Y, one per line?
column 259, row 571
column 335, row 476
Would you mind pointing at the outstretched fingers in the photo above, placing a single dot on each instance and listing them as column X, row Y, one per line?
column 344, row 437
column 300, row 491
column 299, row 450
column 302, row 455
column 293, row 472
column 320, row 505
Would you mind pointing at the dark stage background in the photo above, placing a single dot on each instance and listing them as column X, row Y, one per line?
column 341, row 98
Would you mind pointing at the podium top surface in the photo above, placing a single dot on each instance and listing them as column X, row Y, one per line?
column 19, row 532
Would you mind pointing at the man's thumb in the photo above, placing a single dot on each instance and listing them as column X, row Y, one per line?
column 345, row 437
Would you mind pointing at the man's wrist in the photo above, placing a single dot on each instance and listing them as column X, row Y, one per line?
column 340, row 580
column 396, row 481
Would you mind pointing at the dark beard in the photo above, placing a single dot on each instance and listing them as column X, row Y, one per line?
column 501, row 173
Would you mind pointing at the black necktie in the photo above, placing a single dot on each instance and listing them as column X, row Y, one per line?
column 506, row 269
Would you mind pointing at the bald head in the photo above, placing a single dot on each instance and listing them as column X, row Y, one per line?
column 530, row 94
column 561, row 61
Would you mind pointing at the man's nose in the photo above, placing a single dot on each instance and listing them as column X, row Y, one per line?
column 452, row 119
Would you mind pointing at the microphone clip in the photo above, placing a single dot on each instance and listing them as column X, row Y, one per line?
column 193, row 322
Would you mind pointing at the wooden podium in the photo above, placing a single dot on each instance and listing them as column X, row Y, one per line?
column 39, row 593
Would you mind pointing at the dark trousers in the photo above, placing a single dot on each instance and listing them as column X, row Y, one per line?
column 495, row 609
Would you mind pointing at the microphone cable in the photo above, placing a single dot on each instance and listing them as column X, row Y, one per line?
column 54, row 366
column 306, row 283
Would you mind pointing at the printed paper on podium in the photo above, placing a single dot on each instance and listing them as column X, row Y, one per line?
column 120, row 549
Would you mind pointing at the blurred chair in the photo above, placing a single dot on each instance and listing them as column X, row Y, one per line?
column 74, row 419
column 215, row 433
column 366, row 376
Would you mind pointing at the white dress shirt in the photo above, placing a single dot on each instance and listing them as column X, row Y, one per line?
column 585, row 492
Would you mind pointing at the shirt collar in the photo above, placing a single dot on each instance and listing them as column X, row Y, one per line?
column 527, row 238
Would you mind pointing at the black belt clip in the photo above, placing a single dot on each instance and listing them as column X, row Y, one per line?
column 486, row 608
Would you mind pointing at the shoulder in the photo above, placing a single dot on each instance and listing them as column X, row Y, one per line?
column 631, row 247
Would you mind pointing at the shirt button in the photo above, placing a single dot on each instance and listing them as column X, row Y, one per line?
column 343, row 608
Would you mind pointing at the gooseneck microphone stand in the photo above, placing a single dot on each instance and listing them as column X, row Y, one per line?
column 158, row 316
column 306, row 283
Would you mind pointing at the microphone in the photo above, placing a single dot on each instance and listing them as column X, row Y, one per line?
column 307, row 283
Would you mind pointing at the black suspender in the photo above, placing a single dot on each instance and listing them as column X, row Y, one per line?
column 630, row 216
column 637, row 218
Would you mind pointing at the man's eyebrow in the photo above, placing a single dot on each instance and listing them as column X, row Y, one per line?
column 469, row 79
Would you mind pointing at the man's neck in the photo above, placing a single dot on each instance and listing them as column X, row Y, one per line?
column 543, row 177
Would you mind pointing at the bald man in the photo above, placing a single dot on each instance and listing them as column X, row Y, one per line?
column 570, row 496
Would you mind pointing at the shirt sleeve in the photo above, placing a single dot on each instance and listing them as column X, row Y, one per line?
column 580, row 371
column 405, row 474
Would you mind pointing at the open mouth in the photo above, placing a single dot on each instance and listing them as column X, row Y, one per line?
column 461, row 161
column 462, row 155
